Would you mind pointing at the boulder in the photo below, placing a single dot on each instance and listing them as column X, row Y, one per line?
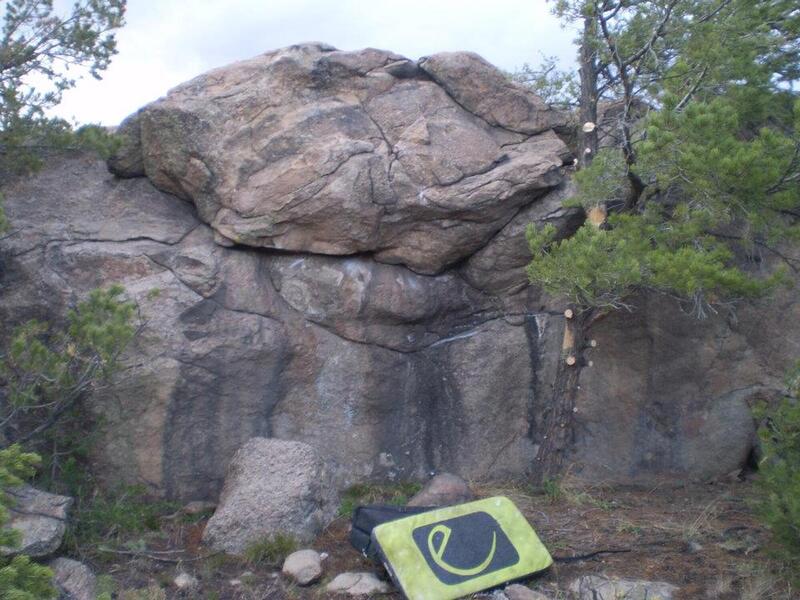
column 317, row 150
column 483, row 90
column 126, row 161
column 358, row 584
column 240, row 342
column 185, row 581
column 443, row 489
column 39, row 517
column 517, row 591
column 272, row 487
column 596, row 587
column 393, row 372
column 303, row 567
column 499, row 267
column 73, row 579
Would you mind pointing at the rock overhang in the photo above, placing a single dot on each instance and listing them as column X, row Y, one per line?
column 313, row 149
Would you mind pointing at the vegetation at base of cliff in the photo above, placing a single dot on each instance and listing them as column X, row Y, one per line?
column 20, row 578
column 365, row 493
column 124, row 517
column 270, row 551
column 45, row 373
column 779, row 469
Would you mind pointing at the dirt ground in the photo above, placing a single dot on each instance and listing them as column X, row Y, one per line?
column 702, row 538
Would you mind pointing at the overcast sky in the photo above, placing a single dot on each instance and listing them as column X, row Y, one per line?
column 166, row 42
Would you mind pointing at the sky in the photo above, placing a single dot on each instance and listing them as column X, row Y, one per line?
column 166, row 42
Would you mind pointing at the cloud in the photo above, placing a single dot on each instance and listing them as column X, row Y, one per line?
column 166, row 42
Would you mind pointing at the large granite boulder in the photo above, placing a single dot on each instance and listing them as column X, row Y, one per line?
column 387, row 370
column 273, row 487
column 316, row 150
column 390, row 373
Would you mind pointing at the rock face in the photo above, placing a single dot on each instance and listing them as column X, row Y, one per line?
column 325, row 167
column 41, row 519
column 272, row 487
column 315, row 150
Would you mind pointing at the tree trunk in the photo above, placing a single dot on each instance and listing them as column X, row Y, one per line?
column 558, row 432
column 587, row 140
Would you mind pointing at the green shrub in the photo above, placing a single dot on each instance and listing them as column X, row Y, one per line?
column 779, row 483
column 152, row 592
column 114, row 517
column 105, row 587
column 270, row 551
column 47, row 371
column 396, row 493
column 3, row 219
column 20, row 579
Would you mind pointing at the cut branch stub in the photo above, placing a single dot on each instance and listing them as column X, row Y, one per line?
column 597, row 215
column 571, row 360
column 569, row 313
column 593, row 343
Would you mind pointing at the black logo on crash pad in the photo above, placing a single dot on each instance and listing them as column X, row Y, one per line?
column 464, row 548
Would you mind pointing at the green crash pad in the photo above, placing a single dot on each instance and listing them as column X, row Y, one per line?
column 455, row 551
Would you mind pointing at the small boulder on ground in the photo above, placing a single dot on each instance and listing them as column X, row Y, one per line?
column 597, row 587
column 358, row 584
column 443, row 489
column 304, row 566
column 40, row 517
column 185, row 581
column 517, row 591
column 73, row 579
column 272, row 487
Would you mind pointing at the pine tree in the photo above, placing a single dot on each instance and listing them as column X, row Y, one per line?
column 779, row 481
column 671, row 195
column 40, row 45
column 46, row 372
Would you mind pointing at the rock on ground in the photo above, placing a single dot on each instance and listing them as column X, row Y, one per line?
column 594, row 587
column 443, row 489
column 74, row 580
column 272, row 487
column 303, row 566
column 185, row 581
column 521, row 592
column 40, row 517
column 358, row 584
